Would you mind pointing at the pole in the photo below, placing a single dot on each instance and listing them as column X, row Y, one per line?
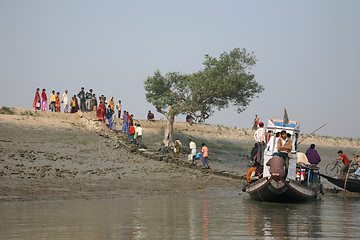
column 311, row 134
column 348, row 171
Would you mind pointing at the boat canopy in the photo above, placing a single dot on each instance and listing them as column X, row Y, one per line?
column 277, row 125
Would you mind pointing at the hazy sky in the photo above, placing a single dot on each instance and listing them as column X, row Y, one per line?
column 308, row 53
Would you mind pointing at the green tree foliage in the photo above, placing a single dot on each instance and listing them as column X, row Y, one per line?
column 224, row 81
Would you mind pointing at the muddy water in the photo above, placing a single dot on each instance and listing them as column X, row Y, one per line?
column 201, row 216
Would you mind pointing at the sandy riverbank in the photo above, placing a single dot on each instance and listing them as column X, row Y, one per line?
column 53, row 156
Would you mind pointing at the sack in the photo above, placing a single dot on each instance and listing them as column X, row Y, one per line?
column 190, row 157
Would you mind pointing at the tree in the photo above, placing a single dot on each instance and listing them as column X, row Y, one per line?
column 224, row 81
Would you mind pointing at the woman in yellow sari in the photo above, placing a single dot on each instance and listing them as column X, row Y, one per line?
column 112, row 104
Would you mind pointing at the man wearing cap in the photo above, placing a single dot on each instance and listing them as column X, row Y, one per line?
column 259, row 137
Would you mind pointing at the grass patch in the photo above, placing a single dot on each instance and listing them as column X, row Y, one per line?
column 28, row 113
column 7, row 111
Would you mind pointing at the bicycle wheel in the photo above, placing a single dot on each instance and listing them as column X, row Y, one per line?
column 332, row 169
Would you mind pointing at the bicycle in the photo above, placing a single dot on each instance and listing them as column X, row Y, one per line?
column 333, row 169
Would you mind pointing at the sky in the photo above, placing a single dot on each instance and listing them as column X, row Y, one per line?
column 308, row 53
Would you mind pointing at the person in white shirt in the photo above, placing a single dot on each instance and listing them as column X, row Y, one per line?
column 259, row 137
column 139, row 135
column 192, row 146
column 118, row 106
column 65, row 101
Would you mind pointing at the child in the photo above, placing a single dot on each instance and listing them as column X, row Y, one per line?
column 205, row 152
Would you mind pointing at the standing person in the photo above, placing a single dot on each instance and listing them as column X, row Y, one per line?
column 312, row 155
column 205, row 155
column 113, row 122
column 52, row 101
column 254, row 153
column 284, row 146
column 101, row 112
column 81, row 96
column 177, row 149
column 192, row 146
column 135, row 133
column 259, row 137
column 57, row 102
column 37, row 100
column 139, row 135
column 65, row 101
column 44, row 100
column 125, row 123
column 94, row 103
column 131, row 133
column 101, row 99
column 89, row 97
column 73, row 104
column 118, row 106
column 131, row 119
column 112, row 104
column 109, row 114
column 256, row 122
column 346, row 162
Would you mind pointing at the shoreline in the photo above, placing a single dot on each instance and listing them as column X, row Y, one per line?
column 57, row 156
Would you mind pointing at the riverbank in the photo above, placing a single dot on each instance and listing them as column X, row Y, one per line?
column 57, row 156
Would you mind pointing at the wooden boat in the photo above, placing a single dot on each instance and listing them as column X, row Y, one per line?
column 276, row 189
column 352, row 185
column 301, row 183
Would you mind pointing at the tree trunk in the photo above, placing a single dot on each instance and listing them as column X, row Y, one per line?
column 168, row 130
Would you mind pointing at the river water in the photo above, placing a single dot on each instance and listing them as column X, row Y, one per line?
column 200, row 216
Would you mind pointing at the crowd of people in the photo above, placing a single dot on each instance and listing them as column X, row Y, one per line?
column 88, row 102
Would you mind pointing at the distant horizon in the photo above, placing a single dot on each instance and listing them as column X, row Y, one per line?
column 209, row 124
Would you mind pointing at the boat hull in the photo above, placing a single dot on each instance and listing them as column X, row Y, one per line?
column 275, row 189
column 352, row 185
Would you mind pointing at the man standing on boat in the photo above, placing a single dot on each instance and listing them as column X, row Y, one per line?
column 312, row 155
column 284, row 147
column 346, row 162
column 259, row 137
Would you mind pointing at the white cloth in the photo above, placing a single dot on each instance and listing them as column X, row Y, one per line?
column 139, row 131
column 271, row 146
column 192, row 145
column 301, row 158
column 65, row 99
column 259, row 135
column 118, row 106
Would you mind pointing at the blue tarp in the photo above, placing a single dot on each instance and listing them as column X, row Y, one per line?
column 280, row 124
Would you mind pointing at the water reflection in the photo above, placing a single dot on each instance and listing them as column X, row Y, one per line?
column 281, row 221
column 196, row 217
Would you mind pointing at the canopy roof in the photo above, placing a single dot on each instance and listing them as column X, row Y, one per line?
column 278, row 125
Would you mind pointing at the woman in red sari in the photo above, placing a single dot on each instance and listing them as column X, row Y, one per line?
column 57, row 102
column 37, row 100
column 101, row 112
